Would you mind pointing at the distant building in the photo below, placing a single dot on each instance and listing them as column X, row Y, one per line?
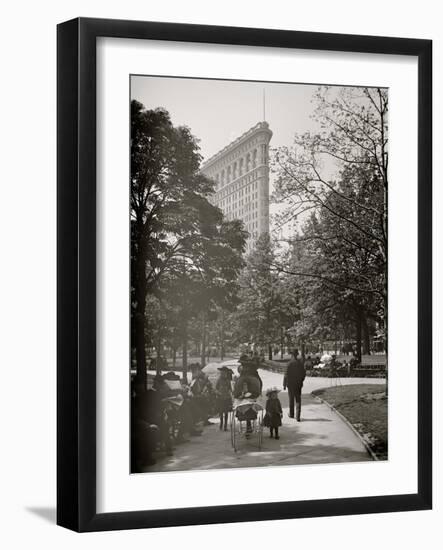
column 241, row 173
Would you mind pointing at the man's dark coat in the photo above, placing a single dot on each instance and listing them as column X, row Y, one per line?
column 295, row 374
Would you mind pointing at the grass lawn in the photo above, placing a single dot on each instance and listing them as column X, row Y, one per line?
column 365, row 406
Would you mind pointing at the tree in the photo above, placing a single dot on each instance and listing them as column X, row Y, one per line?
column 336, row 181
column 176, row 233
column 261, row 305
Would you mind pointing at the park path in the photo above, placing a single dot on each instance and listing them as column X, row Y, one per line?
column 321, row 437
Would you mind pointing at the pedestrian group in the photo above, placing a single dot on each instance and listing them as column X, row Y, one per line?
column 172, row 410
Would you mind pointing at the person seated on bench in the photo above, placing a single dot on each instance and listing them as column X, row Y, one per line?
column 149, row 429
column 180, row 407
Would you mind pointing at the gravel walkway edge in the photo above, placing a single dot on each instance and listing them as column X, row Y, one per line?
column 346, row 421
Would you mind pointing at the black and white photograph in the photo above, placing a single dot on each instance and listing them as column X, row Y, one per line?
column 258, row 274
column 222, row 254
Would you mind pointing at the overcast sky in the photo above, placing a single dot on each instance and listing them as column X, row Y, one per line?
column 218, row 111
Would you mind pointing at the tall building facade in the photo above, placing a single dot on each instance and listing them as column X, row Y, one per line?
column 241, row 173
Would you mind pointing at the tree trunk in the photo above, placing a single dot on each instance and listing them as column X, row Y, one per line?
column 365, row 329
column 270, row 352
column 139, row 315
column 185, row 351
column 385, row 326
column 282, row 342
column 158, row 349
column 203, row 342
column 174, row 357
column 158, row 346
column 358, row 335
column 222, row 337
column 140, row 352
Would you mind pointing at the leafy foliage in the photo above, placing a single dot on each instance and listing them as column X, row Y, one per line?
column 336, row 182
column 183, row 253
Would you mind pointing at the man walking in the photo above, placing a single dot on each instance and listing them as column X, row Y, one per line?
column 293, row 380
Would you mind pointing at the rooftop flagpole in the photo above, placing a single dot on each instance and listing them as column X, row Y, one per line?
column 264, row 106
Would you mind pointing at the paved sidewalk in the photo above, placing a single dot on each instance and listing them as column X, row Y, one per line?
column 321, row 437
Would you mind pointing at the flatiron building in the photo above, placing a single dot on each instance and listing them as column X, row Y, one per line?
column 241, row 173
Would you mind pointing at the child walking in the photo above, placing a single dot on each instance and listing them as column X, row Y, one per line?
column 274, row 412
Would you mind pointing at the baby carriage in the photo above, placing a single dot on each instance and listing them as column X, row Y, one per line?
column 246, row 421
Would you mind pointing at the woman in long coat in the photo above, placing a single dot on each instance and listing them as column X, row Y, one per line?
column 249, row 377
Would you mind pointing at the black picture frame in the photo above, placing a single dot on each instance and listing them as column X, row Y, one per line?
column 76, row 267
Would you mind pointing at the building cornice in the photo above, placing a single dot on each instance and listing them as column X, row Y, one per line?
column 260, row 127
